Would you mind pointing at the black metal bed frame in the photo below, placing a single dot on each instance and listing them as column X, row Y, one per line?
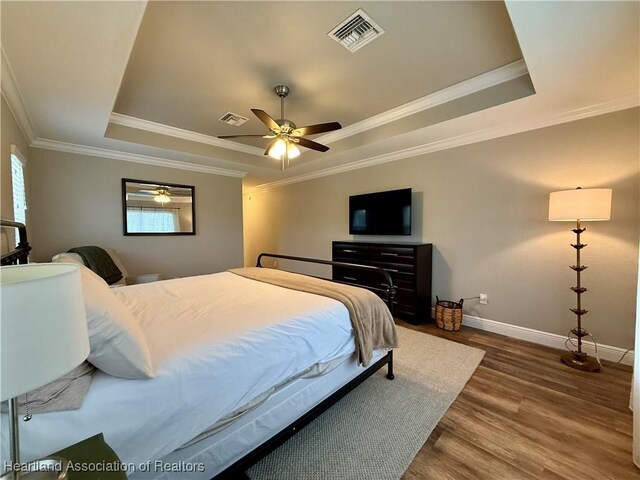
column 237, row 469
column 20, row 255
column 390, row 290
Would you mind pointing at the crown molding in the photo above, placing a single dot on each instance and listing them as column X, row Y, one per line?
column 149, row 126
column 448, row 94
column 510, row 128
column 132, row 157
column 15, row 151
column 459, row 90
column 14, row 98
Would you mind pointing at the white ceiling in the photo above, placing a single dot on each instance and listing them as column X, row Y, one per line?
column 64, row 64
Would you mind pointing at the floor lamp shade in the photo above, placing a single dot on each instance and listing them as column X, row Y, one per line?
column 43, row 328
column 580, row 205
column 584, row 204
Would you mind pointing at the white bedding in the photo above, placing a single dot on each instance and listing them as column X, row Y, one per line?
column 287, row 404
column 217, row 341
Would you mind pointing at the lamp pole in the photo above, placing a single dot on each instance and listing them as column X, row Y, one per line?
column 14, row 447
column 578, row 359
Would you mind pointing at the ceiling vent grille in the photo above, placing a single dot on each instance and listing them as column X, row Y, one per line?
column 356, row 31
column 233, row 119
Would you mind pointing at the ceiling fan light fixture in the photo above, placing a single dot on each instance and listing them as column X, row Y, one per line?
column 162, row 196
column 286, row 134
column 283, row 146
column 293, row 151
column 278, row 150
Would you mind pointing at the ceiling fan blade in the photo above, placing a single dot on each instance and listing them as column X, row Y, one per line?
column 266, row 152
column 305, row 142
column 266, row 119
column 239, row 136
column 319, row 128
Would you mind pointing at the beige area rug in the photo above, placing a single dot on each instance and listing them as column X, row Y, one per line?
column 374, row 432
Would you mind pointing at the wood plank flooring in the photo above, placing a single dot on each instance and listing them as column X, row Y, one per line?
column 524, row 415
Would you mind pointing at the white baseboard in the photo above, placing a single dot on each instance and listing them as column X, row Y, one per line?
column 606, row 352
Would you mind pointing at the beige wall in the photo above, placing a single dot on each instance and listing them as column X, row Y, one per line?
column 77, row 200
column 484, row 207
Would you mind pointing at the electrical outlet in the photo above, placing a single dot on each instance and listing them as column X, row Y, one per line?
column 484, row 299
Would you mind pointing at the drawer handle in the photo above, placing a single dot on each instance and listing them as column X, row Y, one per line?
column 390, row 270
column 353, row 279
column 389, row 254
column 348, row 251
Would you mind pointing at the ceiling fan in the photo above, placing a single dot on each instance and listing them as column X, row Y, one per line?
column 285, row 134
column 160, row 194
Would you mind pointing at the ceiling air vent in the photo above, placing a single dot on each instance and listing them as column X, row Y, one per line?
column 356, row 31
column 233, row 119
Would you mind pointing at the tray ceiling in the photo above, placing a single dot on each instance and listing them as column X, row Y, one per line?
column 194, row 61
column 147, row 81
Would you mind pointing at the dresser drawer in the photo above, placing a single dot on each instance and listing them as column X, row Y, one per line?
column 402, row 279
column 408, row 314
column 393, row 267
column 408, row 265
column 345, row 249
column 405, row 297
column 404, row 255
column 358, row 277
column 357, row 258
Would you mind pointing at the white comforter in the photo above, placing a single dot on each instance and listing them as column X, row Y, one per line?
column 217, row 341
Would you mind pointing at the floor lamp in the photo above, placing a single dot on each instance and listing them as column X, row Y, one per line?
column 580, row 205
column 44, row 335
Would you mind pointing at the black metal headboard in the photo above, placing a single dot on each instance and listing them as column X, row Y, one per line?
column 20, row 255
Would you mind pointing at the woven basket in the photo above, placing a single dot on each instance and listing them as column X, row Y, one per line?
column 448, row 314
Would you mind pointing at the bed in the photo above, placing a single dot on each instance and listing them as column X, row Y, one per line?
column 222, row 397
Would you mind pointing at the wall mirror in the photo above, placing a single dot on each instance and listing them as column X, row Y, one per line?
column 157, row 208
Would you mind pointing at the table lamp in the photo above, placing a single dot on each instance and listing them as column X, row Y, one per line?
column 43, row 334
column 580, row 205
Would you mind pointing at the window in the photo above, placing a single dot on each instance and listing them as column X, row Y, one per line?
column 152, row 220
column 19, row 190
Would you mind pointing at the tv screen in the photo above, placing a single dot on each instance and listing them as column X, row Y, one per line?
column 381, row 213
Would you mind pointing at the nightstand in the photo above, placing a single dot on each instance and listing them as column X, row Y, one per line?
column 148, row 278
column 93, row 450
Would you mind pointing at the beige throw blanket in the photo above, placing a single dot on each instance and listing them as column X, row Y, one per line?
column 372, row 322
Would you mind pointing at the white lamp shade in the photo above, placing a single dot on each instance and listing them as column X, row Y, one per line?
column 43, row 328
column 293, row 151
column 584, row 204
column 278, row 149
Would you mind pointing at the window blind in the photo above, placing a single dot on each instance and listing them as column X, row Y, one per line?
column 19, row 190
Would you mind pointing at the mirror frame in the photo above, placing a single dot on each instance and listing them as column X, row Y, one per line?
column 154, row 234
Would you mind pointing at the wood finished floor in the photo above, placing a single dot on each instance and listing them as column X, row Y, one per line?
column 524, row 415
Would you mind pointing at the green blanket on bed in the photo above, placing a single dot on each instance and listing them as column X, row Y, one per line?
column 98, row 260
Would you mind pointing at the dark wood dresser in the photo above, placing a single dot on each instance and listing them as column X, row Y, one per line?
column 409, row 265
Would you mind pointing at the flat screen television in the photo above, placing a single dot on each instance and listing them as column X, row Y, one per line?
column 381, row 213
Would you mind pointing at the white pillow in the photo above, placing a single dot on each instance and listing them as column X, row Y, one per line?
column 68, row 257
column 118, row 346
